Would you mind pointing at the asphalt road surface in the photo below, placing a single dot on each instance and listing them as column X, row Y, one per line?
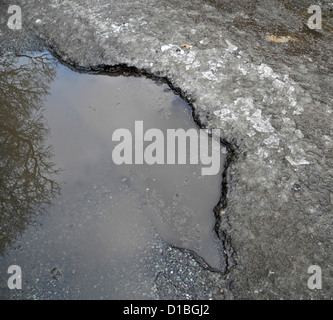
column 255, row 70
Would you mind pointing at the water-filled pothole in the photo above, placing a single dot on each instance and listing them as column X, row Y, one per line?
column 101, row 231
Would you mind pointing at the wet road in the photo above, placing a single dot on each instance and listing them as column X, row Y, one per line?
column 257, row 72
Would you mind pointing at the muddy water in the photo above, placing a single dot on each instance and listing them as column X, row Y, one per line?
column 102, row 232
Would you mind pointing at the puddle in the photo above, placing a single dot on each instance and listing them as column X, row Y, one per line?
column 102, row 232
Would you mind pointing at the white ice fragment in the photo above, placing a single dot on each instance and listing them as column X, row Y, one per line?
column 166, row 47
column 116, row 28
column 293, row 102
column 247, row 102
column 297, row 162
column 266, row 71
column 328, row 141
column 278, row 84
column 224, row 112
column 231, row 47
column 291, row 89
column 259, row 123
column 251, row 133
column 204, row 41
column 298, row 110
column 190, row 57
column 299, row 134
column 196, row 64
column 272, row 141
column 209, row 75
column 242, row 70
column 262, row 153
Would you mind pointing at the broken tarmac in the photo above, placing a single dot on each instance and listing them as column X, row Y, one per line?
column 272, row 101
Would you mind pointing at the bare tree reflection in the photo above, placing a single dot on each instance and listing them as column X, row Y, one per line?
column 26, row 169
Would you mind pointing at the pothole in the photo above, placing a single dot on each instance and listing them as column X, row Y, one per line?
column 109, row 221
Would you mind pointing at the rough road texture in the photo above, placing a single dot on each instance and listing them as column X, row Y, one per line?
column 272, row 100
